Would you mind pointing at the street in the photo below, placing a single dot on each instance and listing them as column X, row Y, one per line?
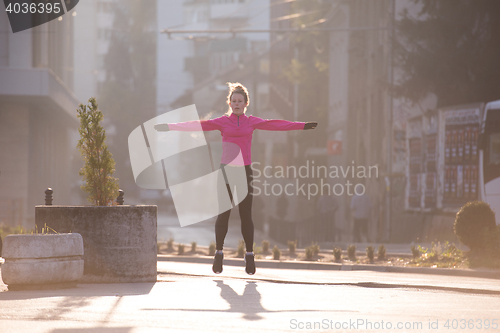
column 190, row 298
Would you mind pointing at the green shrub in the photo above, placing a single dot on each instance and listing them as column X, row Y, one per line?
column 309, row 252
column 276, row 253
column 415, row 252
column 450, row 251
column 170, row 244
column 381, row 252
column 435, row 252
column 101, row 187
column 265, row 246
column 351, row 252
column 473, row 221
column 292, row 246
column 492, row 241
column 241, row 248
column 180, row 249
column 370, row 253
column 315, row 248
column 193, row 246
column 337, row 253
column 211, row 249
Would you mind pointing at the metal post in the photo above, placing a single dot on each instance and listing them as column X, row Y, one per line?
column 48, row 197
column 120, row 199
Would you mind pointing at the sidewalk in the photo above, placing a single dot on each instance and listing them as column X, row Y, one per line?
column 188, row 297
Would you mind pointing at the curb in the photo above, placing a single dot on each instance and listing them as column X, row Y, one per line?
column 262, row 263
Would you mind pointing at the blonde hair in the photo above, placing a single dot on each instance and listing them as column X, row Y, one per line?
column 236, row 88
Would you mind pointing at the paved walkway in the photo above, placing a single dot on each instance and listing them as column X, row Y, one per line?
column 190, row 298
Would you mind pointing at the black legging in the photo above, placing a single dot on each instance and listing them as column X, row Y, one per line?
column 245, row 208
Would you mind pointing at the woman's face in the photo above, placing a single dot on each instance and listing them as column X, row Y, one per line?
column 238, row 104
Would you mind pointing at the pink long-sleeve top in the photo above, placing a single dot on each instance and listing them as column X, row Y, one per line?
column 237, row 130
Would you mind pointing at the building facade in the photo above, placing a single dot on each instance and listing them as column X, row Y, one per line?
column 37, row 118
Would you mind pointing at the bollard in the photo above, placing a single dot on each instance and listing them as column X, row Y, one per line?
column 120, row 200
column 48, row 197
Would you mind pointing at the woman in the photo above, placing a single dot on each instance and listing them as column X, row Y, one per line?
column 237, row 129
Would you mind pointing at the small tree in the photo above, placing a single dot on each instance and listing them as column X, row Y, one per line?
column 351, row 252
column 381, row 252
column 211, row 249
column 337, row 253
column 370, row 253
column 276, row 253
column 99, row 165
column 241, row 249
column 292, row 246
column 265, row 246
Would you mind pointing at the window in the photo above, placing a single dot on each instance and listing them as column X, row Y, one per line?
column 495, row 148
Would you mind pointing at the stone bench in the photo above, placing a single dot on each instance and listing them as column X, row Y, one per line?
column 42, row 260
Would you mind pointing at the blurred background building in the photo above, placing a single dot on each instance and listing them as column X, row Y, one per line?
column 37, row 118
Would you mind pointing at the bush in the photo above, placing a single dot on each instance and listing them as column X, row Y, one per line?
column 170, row 244
column 211, row 249
column 492, row 241
column 415, row 251
column 315, row 248
column 351, row 252
column 193, row 246
column 309, row 252
column 265, row 246
column 241, row 248
column 276, row 253
column 435, row 252
column 180, row 249
column 473, row 221
column 337, row 253
column 101, row 187
column 381, row 252
column 292, row 246
column 370, row 253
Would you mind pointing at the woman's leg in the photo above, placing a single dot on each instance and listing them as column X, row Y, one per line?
column 245, row 209
column 221, row 225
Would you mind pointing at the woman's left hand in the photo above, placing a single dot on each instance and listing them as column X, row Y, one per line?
column 310, row 125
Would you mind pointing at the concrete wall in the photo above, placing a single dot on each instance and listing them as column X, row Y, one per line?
column 119, row 241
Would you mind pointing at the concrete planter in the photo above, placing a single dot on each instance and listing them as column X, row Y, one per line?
column 119, row 241
column 41, row 260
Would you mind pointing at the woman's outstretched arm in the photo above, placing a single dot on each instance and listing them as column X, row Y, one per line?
column 281, row 125
column 191, row 126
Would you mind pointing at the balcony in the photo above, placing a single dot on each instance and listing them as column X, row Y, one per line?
column 220, row 9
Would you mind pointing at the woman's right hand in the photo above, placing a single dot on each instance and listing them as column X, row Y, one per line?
column 310, row 125
column 161, row 127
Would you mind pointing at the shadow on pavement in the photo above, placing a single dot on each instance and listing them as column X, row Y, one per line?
column 248, row 303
